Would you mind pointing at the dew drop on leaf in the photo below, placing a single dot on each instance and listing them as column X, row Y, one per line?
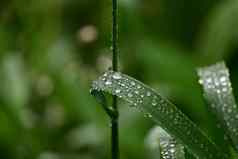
column 108, row 82
column 133, row 83
column 117, row 91
column 116, row 76
column 130, row 95
column 154, row 103
column 148, row 94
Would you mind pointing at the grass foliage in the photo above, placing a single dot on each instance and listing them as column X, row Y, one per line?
column 218, row 93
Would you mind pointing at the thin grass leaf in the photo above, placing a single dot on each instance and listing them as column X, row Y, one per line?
column 163, row 112
column 218, row 93
column 166, row 147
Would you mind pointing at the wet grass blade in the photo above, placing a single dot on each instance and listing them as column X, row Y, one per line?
column 159, row 140
column 160, row 110
column 219, row 96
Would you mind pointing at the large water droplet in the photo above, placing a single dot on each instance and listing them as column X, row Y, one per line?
column 108, row 82
column 133, row 83
column 223, row 79
column 116, row 76
column 200, row 81
column 118, row 91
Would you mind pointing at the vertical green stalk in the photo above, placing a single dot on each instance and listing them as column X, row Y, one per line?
column 114, row 119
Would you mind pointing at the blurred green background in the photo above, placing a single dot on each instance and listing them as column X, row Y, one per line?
column 51, row 50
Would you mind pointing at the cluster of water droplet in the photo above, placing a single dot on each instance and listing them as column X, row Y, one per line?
column 218, row 93
column 156, row 107
column 168, row 150
column 124, row 87
column 169, row 147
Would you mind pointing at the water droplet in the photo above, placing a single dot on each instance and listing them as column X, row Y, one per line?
column 118, row 91
column 223, row 79
column 225, row 84
column 130, row 95
column 154, row 103
column 148, row 94
column 200, row 81
column 123, row 85
column 148, row 115
column 116, row 76
column 208, row 80
column 105, row 74
column 224, row 89
column 108, row 82
column 217, row 83
column 136, row 92
column 229, row 110
column 172, row 150
column 133, row 83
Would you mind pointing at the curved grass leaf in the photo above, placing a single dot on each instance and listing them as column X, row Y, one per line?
column 163, row 112
column 218, row 93
column 166, row 146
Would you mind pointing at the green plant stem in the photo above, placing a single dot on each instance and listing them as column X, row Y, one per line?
column 114, row 119
column 114, row 35
column 114, row 132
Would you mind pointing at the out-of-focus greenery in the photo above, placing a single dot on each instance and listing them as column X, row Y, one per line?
column 51, row 50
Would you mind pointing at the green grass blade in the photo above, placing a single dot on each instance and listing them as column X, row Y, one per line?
column 218, row 94
column 160, row 110
column 159, row 140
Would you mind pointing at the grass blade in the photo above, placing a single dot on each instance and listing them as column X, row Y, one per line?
column 218, row 94
column 159, row 140
column 163, row 112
